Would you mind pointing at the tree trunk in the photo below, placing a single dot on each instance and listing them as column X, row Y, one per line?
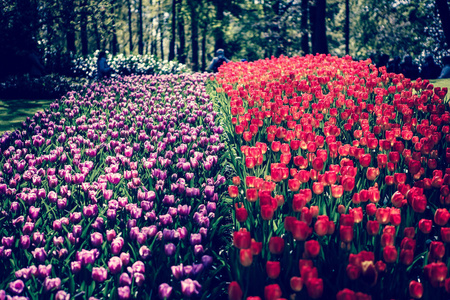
column 140, row 30
column 347, row 27
column 70, row 33
column 305, row 37
column 114, row 34
column 194, row 35
column 97, row 34
column 320, row 44
column 182, row 35
column 444, row 14
column 83, row 29
column 130, row 28
column 204, row 37
column 218, row 31
column 161, row 29
column 173, row 32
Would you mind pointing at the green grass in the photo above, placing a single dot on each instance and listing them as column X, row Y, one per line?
column 441, row 82
column 14, row 112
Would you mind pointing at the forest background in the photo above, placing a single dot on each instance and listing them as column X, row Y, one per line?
column 190, row 31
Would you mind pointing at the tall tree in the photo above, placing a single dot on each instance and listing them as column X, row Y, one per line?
column 140, row 29
column 181, row 34
column 347, row 27
column 83, row 28
column 130, row 27
column 193, row 4
column 444, row 14
column 113, row 25
column 69, row 20
column 161, row 29
column 218, row 31
column 318, row 24
column 173, row 31
column 305, row 31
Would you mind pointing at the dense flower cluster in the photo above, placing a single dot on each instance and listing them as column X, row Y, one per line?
column 343, row 180
column 114, row 192
column 127, row 65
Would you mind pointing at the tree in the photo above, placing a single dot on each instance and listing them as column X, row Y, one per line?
column 181, row 34
column 193, row 7
column 444, row 14
column 173, row 31
column 140, row 29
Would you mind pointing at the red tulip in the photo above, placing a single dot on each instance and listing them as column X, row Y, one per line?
column 436, row 251
column 337, row 191
column 296, row 283
column 445, row 234
column 246, row 257
column 256, row 247
column 321, row 225
column 241, row 214
column 436, row 273
column 365, row 159
column 300, row 230
column 317, row 164
column 409, row 232
column 414, row 166
column 346, row 233
column 276, row 245
column 348, row 183
column 383, row 214
column 250, row 181
column 441, row 216
column 373, row 227
column 233, row 191
column 312, row 248
column 234, row 291
column 314, row 286
column 317, row 188
column 390, row 254
column 272, row 292
column 406, row 256
column 267, row 212
column 273, row 269
column 415, row 289
column 294, row 185
column 252, row 195
column 298, row 202
column 242, row 239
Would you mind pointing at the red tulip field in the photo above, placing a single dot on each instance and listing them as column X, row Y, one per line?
column 311, row 177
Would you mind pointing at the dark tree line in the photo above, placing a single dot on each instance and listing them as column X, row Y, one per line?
column 190, row 30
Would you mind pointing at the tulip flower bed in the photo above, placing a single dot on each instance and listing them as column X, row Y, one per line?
column 115, row 192
column 342, row 187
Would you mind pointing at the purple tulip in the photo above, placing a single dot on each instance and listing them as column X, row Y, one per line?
column 62, row 295
column 16, row 287
column 39, row 254
column 96, row 239
column 99, row 274
column 115, row 265
column 24, row 242
column 8, row 242
column 139, row 279
column 124, row 292
column 169, row 249
column 190, row 287
column 124, row 280
column 52, row 284
column 177, row 271
column 144, row 252
column 164, row 291
column 138, row 267
column 44, row 271
column 125, row 257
